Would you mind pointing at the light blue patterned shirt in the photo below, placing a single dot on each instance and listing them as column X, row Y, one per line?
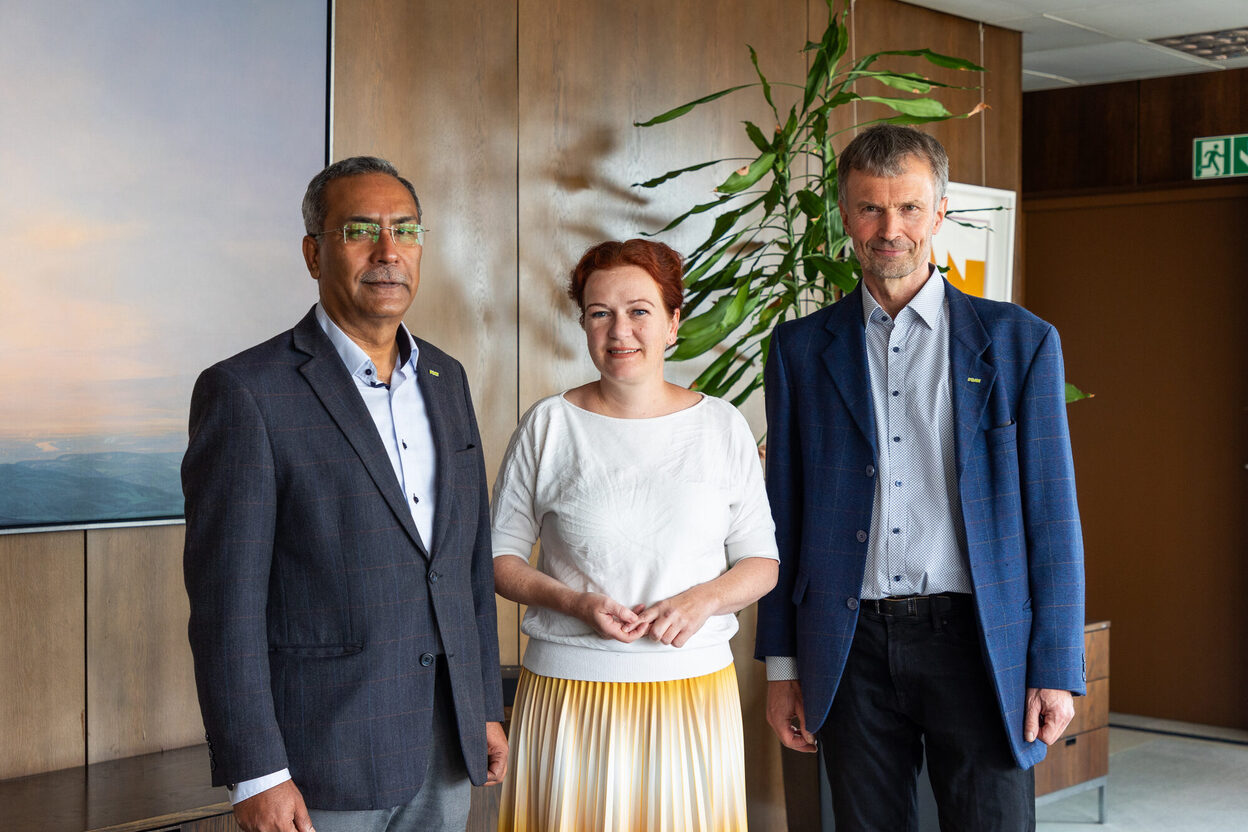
column 918, row 542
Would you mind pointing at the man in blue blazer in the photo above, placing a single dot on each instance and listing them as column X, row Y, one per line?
column 931, row 562
column 338, row 546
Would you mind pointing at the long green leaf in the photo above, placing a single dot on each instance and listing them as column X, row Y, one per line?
column 840, row 272
column 712, row 326
column 762, row 79
column 697, row 209
column 907, row 83
column 947, row 61
column 672, row 174
column 755, row 171
column 1074, row 394
column 684, row 108
column 811, row 203
column 919, row 107
column 757, row 136
column 815, row 79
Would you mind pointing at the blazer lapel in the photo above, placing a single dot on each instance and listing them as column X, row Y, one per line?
column 845, row 359
column 973, row 376
column 434, row 388
column 329, row 379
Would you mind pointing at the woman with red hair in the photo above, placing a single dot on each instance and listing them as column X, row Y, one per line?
column 648, row 501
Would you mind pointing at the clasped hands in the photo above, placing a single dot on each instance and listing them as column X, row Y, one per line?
column 670, row 621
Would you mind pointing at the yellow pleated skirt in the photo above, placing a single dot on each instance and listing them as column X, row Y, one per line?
column 625, row 756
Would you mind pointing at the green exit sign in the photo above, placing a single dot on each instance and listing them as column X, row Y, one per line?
column 1214, row 157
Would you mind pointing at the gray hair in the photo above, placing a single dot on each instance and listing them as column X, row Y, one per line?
column 314, row 208
column 881, row 150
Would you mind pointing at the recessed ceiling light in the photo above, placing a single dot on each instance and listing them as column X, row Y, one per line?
column 1215, row 46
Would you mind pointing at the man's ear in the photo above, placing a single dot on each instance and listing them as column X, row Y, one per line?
column 312, row 256
column 941, row 208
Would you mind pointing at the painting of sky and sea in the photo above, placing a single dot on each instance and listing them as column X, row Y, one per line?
column 153, row 156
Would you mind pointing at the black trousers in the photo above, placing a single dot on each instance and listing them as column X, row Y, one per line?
column 917, row 679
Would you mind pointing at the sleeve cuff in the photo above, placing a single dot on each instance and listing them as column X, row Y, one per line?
column 253, row 787
column 781, row 668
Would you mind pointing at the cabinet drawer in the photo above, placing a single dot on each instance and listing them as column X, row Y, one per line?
column 1091, row 711
column 1096, row 652
column 1074, row 759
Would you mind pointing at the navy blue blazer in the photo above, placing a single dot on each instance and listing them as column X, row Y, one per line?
column 315, row 605
column 1015, row 478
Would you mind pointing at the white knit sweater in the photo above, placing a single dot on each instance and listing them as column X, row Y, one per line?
column 636, row 509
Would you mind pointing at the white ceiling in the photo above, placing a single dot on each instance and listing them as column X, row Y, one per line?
column 1073, row 42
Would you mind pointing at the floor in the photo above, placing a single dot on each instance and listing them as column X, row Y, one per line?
column 1164, row 776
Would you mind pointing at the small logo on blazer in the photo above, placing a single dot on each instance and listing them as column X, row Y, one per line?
column 974, row 380
column 433, row 372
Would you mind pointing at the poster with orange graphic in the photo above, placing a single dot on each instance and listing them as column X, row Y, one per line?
column 976, row 242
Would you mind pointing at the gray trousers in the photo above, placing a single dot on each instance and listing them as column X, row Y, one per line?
column 442, row 803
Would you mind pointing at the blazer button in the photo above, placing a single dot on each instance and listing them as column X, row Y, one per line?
column 870, row 471
column 852, row 603
column 433, row 577
column 862, row 536
column 426, row 659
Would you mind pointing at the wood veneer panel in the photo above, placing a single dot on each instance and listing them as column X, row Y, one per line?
column 1092, row 710
column 1160, row 451
column 41, row 651
column 1085, row 137
column 589, row 70
column 887, row 24
column 140, row 680
column 1176, row 110
column 431, row 86
column 1003, row 122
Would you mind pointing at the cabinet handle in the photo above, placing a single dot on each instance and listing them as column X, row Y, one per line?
column 1071, row 741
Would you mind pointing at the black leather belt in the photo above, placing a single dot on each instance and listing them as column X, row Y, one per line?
column 916, row 605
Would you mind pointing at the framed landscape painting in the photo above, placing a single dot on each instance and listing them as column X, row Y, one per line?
column 153, row 156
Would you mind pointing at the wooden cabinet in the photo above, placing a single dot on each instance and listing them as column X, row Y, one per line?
column 1080, row 759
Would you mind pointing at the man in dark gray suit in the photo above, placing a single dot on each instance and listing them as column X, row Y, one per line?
column 338, row 546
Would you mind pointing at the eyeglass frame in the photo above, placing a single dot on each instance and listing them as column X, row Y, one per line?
column 376, row 235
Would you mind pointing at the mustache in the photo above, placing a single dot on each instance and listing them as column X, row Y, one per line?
column 385, row 274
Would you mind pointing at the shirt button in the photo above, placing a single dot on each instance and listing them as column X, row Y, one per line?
column 852, row 603
column 869, row 471
column 426, row 659
column 897, row 483
column 415, row 499
column 862, row 536
column 896, row 531
column 896, row 438
column 896, row 392
column 896, row 349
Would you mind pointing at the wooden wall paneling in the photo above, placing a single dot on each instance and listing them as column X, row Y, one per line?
column 432, row 87
column 140, row 680
column 1176, row 110
column 1002, row 123
column 1160, row 450
column 888, row 24
column 1002, row 126
column 587, row 71
column 42, row 647
column 1085, row 137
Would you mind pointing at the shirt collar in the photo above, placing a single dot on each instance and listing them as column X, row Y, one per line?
column 356, row 360
column 927, row 304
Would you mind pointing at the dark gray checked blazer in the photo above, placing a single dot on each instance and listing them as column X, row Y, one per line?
column 315, row 605
column 1015, row 477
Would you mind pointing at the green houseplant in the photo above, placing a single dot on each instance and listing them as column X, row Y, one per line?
column 777, row 248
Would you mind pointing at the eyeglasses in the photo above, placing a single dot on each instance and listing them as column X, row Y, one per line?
column 408, row 234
